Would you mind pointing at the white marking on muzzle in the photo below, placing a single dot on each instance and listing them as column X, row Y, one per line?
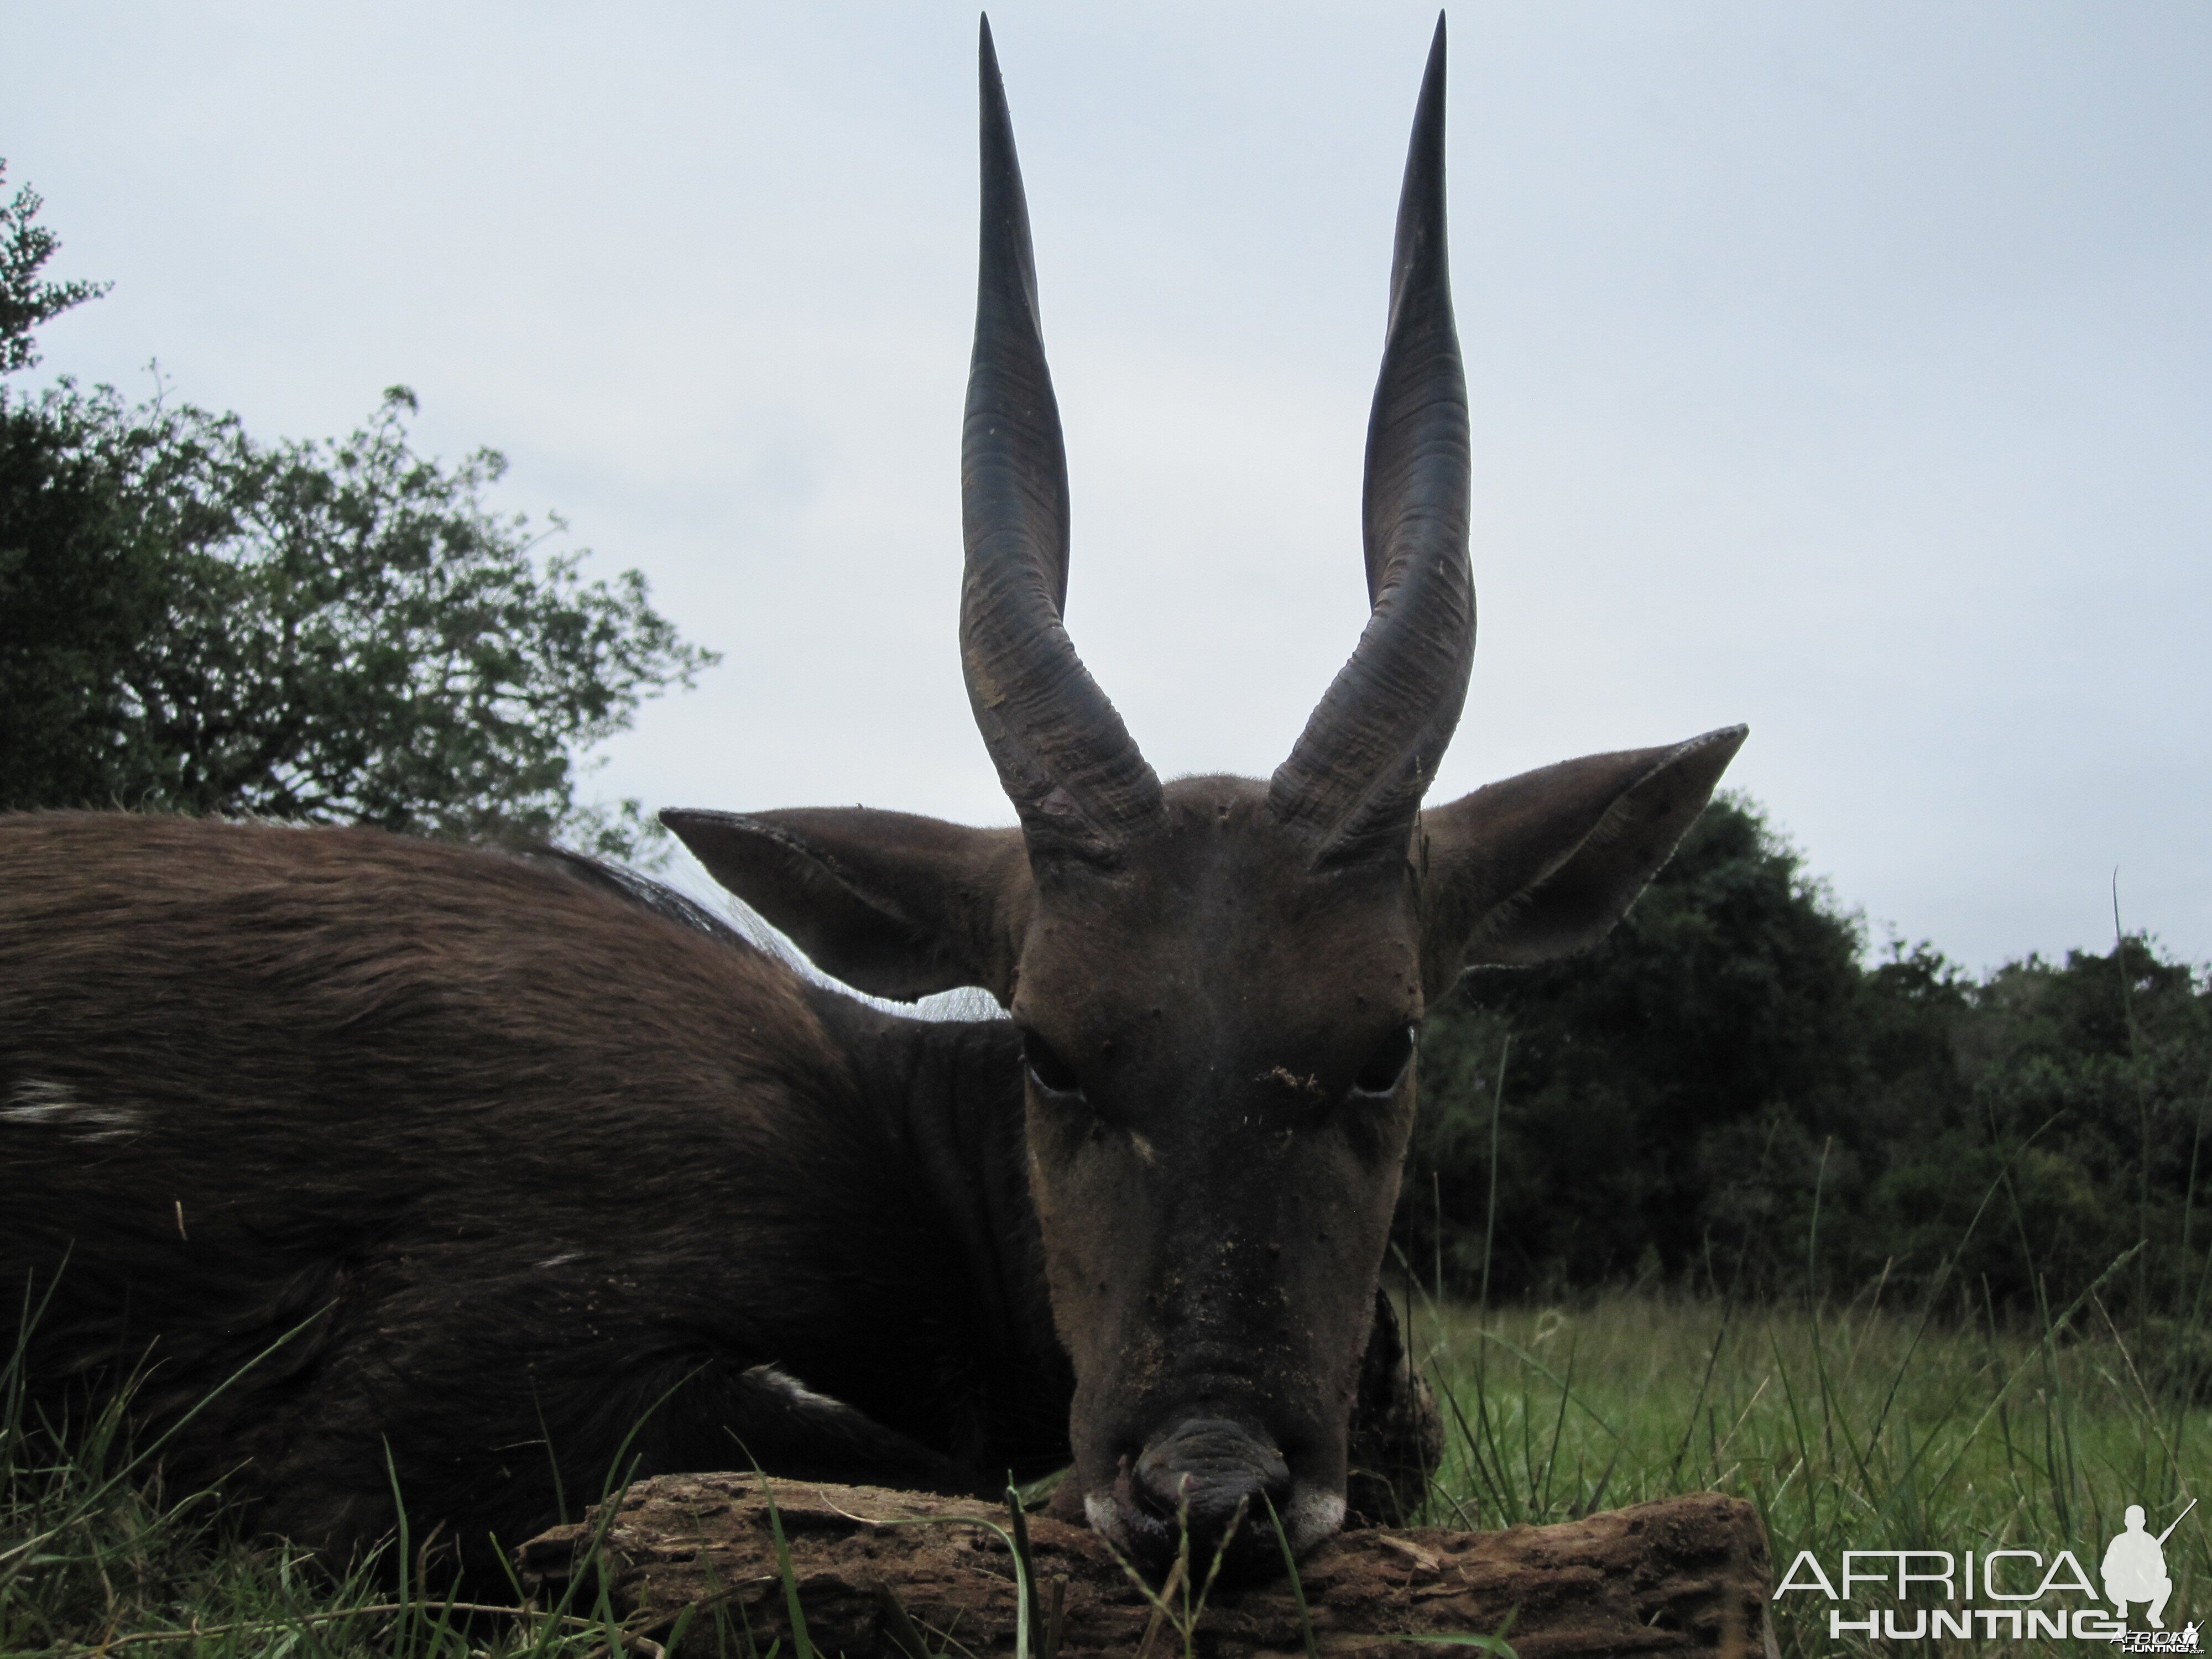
column 1311, row 1516
column 1104, row 1515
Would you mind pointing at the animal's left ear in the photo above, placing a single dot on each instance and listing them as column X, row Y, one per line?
column 897, row 905
column 1543, row 864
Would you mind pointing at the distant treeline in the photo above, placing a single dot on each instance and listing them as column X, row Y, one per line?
column 1724, row 1097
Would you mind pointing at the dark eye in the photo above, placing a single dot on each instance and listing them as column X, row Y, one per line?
column 1051, row 1073
column 1380, row 1075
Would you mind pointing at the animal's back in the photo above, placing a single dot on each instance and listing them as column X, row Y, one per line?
column 455, row 1151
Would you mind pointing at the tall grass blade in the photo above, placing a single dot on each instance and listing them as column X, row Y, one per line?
column 801, row 1643
column 1298, row 1586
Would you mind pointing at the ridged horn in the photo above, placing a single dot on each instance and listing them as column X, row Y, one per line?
column 1064, row 756
column 1355, row 779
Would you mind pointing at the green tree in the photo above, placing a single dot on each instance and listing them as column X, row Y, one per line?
column 1725, row 1095
column 26, row 299
column 2079, row 1106
column 194, row 621
column 343, row 632
column 1721, row 1004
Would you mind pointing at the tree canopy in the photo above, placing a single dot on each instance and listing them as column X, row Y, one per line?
column 27, row 298
column 345, row 631
column 1726, row 1095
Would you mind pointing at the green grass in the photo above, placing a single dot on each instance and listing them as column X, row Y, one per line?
column 97, row 1557
column 1852, row 1428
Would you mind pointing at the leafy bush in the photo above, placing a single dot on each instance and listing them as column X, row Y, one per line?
column 194, row 620
column 1724, row 1094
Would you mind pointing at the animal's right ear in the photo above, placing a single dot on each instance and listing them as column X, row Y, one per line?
column 1543, row 864
column 893, row 904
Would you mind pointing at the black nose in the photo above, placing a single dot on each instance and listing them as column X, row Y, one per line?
column 1208, row 1468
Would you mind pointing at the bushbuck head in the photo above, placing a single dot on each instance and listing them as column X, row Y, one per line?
column 1217, row 980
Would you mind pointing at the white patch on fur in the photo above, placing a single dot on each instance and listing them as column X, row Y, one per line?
column 562, row 1259
column 966, row 1002
column 33, row 1100
column 1144, row 1146
column 790, row 1388
column 1312, row 1515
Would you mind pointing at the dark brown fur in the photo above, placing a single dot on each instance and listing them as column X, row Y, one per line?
column 490, row 1165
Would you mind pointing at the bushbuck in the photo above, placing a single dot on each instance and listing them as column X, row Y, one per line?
column 471, row 1179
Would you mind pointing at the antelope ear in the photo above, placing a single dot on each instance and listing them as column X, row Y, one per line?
column 897, row 905
column 1543, row 864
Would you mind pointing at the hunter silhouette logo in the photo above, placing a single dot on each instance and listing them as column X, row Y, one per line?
column 2135, row 1570
column 2134, row 1567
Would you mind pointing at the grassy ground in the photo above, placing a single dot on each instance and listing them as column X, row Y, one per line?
column 1855, row 1429
column 95, row 1558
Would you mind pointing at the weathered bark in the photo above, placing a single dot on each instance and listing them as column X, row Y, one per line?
column 1689, row 1575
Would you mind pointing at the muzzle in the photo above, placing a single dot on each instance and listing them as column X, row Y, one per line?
column 1209, row 1475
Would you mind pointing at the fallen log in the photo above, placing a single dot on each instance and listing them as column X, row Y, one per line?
column 881, row 1574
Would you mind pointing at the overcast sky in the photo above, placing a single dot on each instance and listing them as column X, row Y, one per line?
column 1841, row 369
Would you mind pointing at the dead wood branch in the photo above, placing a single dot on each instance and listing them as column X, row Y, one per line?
column 1686, row 1575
